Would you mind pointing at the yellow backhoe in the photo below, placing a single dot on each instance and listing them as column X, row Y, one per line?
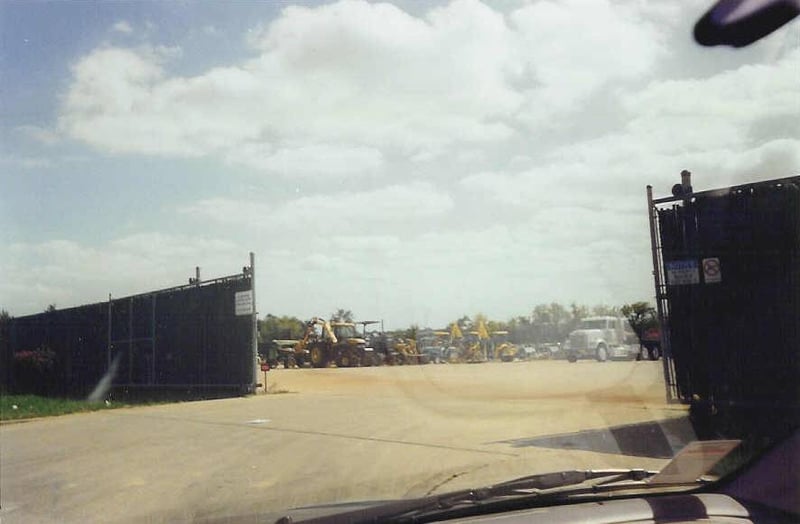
column 504, row 350
column 326, row 343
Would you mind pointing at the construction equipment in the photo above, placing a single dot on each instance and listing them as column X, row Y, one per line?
column 326, row 343
column 375, row 346
column 386, row 349
column 504, row 350
column 434, row 345
column 284, row 351
column 455, row 346
column 477, row 348
column 405, row 352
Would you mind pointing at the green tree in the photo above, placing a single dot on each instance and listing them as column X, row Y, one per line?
column 552, row 322
column 497, row 325
column 50, row 309
column 282, row 328
column 602, row 310
column 464, row 323
column 342, row 315
column 541, row 314
column 410, row 332
column 641, row 316
column 578, row 312
column 520, row 330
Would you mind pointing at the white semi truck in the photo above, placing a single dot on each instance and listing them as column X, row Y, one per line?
column 602, row 338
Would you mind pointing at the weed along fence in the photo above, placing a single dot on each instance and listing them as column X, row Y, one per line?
column 190, row 341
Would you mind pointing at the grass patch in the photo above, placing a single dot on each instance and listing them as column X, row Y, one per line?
column 31, row 406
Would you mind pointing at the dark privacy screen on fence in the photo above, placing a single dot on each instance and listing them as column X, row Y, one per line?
column 185, row 339
column 732, row 262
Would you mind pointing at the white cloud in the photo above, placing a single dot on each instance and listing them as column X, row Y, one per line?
column 504, row 270
column 727, row 128
column 70, row 273
column 367, row 77
column 420, row 167
column 122, row 27
column 694, row 114
column 396, row 205
column 613, row 42
column 309, row 161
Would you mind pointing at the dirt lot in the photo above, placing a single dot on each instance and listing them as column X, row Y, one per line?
column 337, row 435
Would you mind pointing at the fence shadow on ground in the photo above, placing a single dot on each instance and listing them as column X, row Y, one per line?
column 654, row 439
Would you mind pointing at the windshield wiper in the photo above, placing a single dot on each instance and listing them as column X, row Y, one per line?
column 519, row 493
column 514, row 494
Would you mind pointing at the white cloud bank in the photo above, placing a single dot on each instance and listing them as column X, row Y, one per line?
column 481, row 160
column 347, row 210
column 365, row 78
column 70, row 273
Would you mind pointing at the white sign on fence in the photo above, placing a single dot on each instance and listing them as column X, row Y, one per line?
column 682, row 272
column 244, row 303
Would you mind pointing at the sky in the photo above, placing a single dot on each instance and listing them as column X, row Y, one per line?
column 410, row 161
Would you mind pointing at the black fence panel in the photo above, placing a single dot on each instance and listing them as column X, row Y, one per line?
column 52, row 353
column 186, row 341
column 734, row 334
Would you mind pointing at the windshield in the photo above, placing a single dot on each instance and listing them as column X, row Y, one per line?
column 192, row 190
column 345, row 332
column 594, row 324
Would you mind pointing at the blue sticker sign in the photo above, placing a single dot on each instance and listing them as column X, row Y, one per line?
column 682, row 272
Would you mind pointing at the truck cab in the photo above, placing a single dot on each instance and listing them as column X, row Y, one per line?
column 602, row 338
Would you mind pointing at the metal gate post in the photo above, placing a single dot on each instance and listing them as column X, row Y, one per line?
column 661, row 296
column 254, row 334
column 153, row 347
column 108, row 348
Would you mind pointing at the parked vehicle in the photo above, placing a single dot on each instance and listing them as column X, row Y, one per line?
column 650, row 344
column 326, row 343
column 550, row 350
column 434, row 345
column 602, row 338
column 528, row 352
column 374, row 344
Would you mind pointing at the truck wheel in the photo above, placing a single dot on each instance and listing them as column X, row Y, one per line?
column 318, row 357
column 602, row 353
column 572, row 357
column 654, row 352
